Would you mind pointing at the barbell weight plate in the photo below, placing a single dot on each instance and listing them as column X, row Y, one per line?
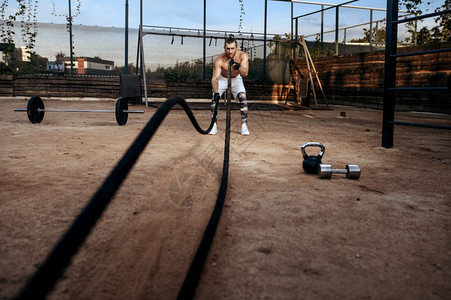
column 34, row 114
column 121, row 116
column 353, row 171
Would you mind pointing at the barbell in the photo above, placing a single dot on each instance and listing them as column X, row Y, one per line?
column 351, row 171
column 36, row 110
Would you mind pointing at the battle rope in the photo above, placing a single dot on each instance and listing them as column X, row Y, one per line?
column 192, row 278
column 53, row 267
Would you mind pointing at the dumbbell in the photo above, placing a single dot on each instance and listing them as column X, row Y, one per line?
column 325, row 171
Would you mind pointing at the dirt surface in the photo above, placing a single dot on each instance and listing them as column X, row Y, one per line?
column 283, row 234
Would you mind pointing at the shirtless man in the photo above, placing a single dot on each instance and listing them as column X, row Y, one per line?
column 240, row 69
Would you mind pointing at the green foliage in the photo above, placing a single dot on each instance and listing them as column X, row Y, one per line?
column 182, row 72
column 377, row 34
column 319, row 51
column 6, row 70
column 60, row 55
column 439, row 33
column 412, row 6
column 444, row 23
column 35, row 64
column 77, row 9
column 281, row 48
column 25, row 13
column 242, row 13
column 419, row 36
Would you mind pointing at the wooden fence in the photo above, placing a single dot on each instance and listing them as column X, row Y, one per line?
column 358, row 80
column 109, row 87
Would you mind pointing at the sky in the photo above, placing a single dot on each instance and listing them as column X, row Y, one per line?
column 224, row 15
column 221, row 14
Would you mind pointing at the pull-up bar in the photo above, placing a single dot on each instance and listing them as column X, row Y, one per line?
column 200, row 33
column 331, row 4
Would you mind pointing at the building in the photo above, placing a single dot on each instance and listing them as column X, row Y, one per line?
column 86, row 66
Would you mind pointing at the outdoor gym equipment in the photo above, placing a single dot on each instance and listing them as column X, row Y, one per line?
column 352, row 171
column 311, row 162
column 36, row 110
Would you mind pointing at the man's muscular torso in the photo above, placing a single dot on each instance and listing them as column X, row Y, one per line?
column 221, row 64
column 224, row 61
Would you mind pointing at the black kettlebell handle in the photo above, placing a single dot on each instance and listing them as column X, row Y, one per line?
column 313, row 144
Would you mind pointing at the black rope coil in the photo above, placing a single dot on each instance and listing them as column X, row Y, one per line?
column 53, row 267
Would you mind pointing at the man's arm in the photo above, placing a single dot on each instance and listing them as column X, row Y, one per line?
column 216, row 75
column 244, row 65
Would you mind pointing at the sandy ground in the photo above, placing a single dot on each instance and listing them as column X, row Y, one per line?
column 283, row 234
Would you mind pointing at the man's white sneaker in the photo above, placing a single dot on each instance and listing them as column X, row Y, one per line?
column 214, row 130
column 244, row 130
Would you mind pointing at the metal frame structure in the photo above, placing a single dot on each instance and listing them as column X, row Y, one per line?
column 193, row 33
column 205, row 35
column 295, row 20
column 337, row 18
column 214, row 33
column 142, row 33
column 390, row 88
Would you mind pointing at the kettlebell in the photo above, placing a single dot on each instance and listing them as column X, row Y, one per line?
column 311, row 162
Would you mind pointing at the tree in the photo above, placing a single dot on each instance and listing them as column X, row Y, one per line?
column 412, row 6
column 439, row 33
column 24, row 14
column 378, row 35
column 444, row 22
column 59, row 56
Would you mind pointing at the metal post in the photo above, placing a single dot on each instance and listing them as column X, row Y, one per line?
column 292, row 14
column 371, row 29
column 415, row 32
column 126, row 37
column 390, row 74
column 336, row 28
column 296, row 29
column 264, row 39
column 293, row 45
column 322, row 25
column 138, row 48
column 376, row 42
column 204, row 71
column 70, row 41
column 141, row 62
